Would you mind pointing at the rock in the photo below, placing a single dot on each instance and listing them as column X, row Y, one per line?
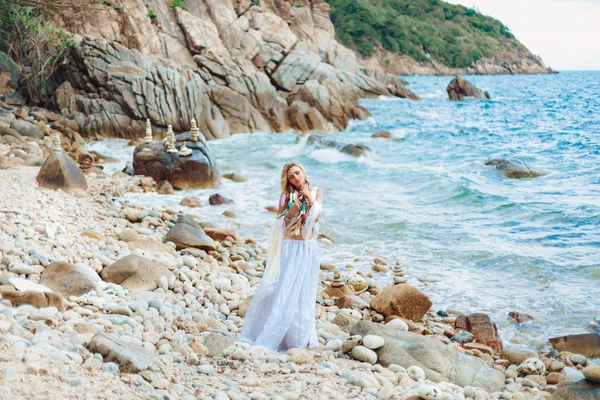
column 150, row 246
column 349, row 301
column 338, row 291
column 578, row 359
column 482, row 327
column 555, row 378
column 592, row 373
column 216, row 343
column 191, row 202
column 197, row 171
column 587, row 344
column 397, row 323
column 61, row 172
column 429, row 392
column 439, row 361
column 221, row 234
column 531, row 366
column 69, row 279
column 382, row 134
column 135, row 273
column 164, row 187
column 357, row 282
column 11, row 162
column 351, row 342
column 520, row 318
column 361, row 353
column 416, row 373
column 517, row 354
column 185, row 235
column 373, row 342
column 27, row 129
column 36, row 299
column 130, row 235
column 124, row 351
column 463, row 337
column 581, row 390
column 459, row 88
column 514, row 169
column 217, row 199
column 234, row 177
column 402, row 300
column 319, row 141
column 299, row 356
column 344, row 321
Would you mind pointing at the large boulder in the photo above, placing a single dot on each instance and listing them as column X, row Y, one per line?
column 441, row 363
column 128, row 353
column 319, row 141
column 580, row 390
column 197, row 171
column 514, row 169
column 459, row 88
column 69, row 279
column 135, row 273
column 27, row 129
column 482, row 327
column 185, row 235
column 587, row 344
column 59, row 171
column 402, row 300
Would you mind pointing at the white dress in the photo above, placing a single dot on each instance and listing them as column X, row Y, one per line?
column 282, row 313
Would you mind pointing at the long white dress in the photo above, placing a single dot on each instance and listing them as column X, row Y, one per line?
column 282, row 313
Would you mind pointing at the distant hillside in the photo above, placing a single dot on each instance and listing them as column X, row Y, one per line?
column 429, row 31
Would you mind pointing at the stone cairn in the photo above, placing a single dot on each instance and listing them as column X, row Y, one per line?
column 148, row 138
column 194, row 130
column 56, row 147
column 338, row 287
column 184, row 151
column 399, row 275
column 170, row 140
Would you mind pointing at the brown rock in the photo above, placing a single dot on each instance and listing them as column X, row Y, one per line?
column 191, row 202
column 11, row 162
column 459, row 88
column 382, row 134
column 135, row 273
column 69, row 279
column 327, row 267
column 130, row 356
column 482, row 327
column 164, row 187
column 587, row 344
column 150, row 246
column 555, row 378
column 61, row 172
column 234, row 177
column 129, row 235
column 540, row 380
column 481, row 347
column 219, row 234
column 349, row 301
column 35, row 299
column 402, row 300
column 520, row 318
column 580, row 390
column 244, row 306
column 217, row 199
column 338, row 291
column 379, row 268
column 93, row 235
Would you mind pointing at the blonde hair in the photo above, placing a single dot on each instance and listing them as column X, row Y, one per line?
column 286, row 186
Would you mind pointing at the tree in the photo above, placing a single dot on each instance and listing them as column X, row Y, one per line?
column 38, row 48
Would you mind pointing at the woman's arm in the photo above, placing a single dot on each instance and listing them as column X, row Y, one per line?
column 320, row 201
column 283, row 200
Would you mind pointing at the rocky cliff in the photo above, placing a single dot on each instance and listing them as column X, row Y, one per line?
column 234, row 65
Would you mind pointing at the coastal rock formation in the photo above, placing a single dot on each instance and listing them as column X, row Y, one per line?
column 587, row 344
column 319, row 141
column 233, row 65
column 438, row 361
column 514, row 169
column 459, row 88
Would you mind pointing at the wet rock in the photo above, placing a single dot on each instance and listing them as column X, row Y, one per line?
column 234, row 177
column 520, row 318
column 69, row 279
column 321, row 142
column 135, row 273
column 459, row 88
column 382, row 134
column 217, row 199
column 581, row 390
column 482, row 327
column 592, row 373
column 402, row 300
column 587, row 344
column 555, row 378
column 192, row 202
column 514, row 169
column 124, row 351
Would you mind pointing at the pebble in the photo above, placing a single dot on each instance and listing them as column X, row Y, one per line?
column 373, row 342
column 361, row 353
column 207, row 369
column 592, row 373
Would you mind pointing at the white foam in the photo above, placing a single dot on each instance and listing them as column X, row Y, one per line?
column 330, row 156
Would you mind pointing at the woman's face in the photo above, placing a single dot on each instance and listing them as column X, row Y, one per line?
column 295, row 176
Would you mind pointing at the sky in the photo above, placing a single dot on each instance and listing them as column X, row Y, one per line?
column 565, row 33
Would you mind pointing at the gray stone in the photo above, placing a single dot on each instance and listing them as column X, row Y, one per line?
column 439, row 361
column 27, row 129
column 130, row 356
column 216, row 343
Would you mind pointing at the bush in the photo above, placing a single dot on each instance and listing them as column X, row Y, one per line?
column 423, row 29
column 151, row 14
column 178, row 3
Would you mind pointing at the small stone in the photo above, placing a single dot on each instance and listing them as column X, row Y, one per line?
column 163, row 283
column 361, row 353
column 351, row 342
column 416, row 373
column 207, row 369
column 592, row 373
column 531, row 366
column 555, row 378
column 578, row 359
column 373, row 342
column 463, row 337
column 398, row 324
column 429, row 392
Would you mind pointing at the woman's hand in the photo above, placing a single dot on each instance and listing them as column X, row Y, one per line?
column 305, row 192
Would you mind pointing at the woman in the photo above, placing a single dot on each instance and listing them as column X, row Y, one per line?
column 282, row 313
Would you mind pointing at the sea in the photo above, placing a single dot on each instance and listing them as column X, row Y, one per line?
column 472, row 239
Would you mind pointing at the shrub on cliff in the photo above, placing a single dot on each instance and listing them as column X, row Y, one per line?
column 454, row 35
column 38, row 48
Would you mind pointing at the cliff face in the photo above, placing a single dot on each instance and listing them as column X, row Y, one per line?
column 233, row 65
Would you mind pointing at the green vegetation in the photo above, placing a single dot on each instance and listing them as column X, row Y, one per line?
column 151, row 14
column 38, row 48
column 426, row 30
column 178, row 3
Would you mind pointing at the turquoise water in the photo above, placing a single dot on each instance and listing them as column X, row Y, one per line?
column 482, row 242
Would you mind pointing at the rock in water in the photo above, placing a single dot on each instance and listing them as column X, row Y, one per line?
column 402, row 300
column 482, row 327
column 59, row 171
column 459, row 88
column 514, row 169
column 135, row 273
column 439, row 361
column 581, row 390
column 196, row 171
column 322, row 142
column 587, row 344
column 122, row 350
